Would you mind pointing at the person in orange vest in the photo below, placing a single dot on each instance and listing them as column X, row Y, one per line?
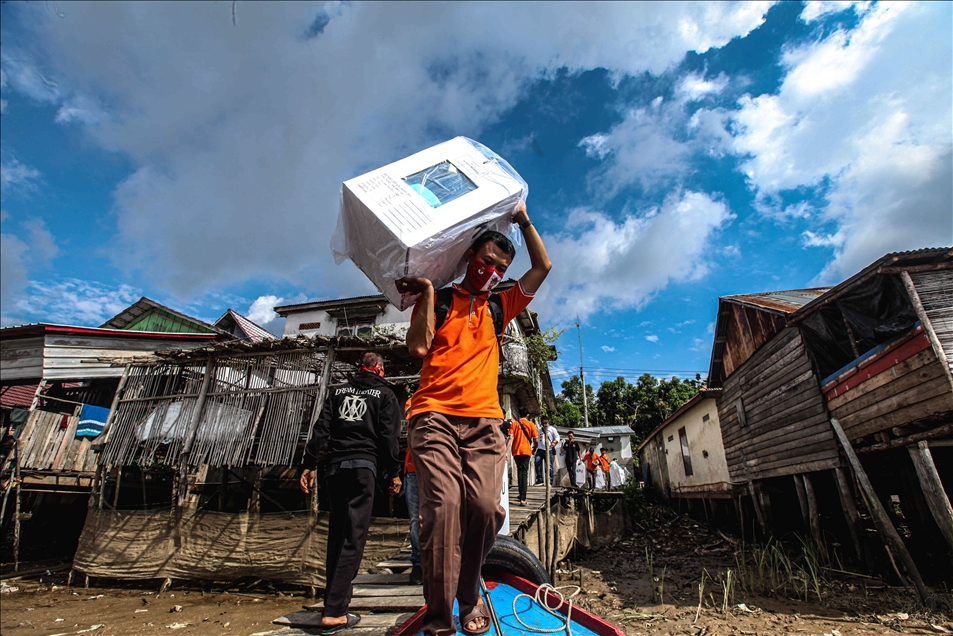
column 604, row 462
column 524, row 438
column 592, row 465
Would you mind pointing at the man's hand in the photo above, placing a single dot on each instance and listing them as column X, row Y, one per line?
column 307, row 481
column 394, row 488
column 413, row 284
column 520, row 215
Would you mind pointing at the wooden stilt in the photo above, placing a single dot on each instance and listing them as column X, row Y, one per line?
column 118, row 482
column 16, row 510
column 850, row 510
column 754, row 497
column 801, row 498
column 166, row 584
column 933, row 491
column 888, row 533
column 813, row 513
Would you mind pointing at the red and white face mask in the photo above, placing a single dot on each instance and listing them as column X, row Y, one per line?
column 483, row 277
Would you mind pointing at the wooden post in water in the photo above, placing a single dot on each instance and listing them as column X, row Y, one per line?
column 933, row 492
column 549, row 517
column 888, row 533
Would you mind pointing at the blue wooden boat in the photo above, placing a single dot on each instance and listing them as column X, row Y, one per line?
column 518, row 612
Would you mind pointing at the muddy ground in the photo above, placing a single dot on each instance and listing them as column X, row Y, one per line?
column 616, row 585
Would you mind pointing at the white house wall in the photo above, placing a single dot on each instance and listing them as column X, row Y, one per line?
column 709, row 474
column 294, row 320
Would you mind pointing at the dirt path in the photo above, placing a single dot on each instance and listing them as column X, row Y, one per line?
column 44, row 609
column 616, row 583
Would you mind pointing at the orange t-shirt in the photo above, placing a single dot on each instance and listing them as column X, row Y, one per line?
column 592, row 460
column 460, row 372
column 523, row 445
column 408, row 463
column 604, row 461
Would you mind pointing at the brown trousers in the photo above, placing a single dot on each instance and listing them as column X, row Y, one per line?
column 459, row 463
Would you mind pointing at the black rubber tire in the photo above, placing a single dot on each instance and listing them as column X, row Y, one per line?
column 509, row 555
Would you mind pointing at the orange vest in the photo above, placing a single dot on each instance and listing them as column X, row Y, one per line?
column 460, row 372
column 523, row 445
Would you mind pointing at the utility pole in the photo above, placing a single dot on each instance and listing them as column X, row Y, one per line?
column 582, row 377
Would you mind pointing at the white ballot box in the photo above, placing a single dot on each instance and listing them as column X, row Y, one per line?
column 418, row 216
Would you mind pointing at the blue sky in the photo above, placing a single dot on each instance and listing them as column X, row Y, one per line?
column 675, row 152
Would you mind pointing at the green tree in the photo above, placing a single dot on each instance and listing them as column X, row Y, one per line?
column 572, row 394
column 566, row 414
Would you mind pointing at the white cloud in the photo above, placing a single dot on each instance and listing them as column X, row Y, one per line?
column 242, row 132
column 731, row 251
column 810, row 239
column 694, row 86
column 21, row 255
column 652, row 338
column 602, row 263
column 866, row 115
column 70, row 301
column 15, row 176
column 607, row 348
column 816, row 9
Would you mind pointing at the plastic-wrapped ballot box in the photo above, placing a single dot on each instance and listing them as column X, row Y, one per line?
column 418, row 216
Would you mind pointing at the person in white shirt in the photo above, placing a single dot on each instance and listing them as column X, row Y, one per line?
column 539, row 458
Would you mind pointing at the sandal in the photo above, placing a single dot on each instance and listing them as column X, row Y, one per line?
column 478, row 611
column 352, row 620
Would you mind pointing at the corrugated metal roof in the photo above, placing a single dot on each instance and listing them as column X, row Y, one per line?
column 253, row 332
column 784, row 301
column 18, row 395
column 143, row 305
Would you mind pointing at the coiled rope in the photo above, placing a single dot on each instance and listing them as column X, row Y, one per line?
column 541, row 596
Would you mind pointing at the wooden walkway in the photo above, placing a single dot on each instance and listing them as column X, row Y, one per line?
column 386, row 599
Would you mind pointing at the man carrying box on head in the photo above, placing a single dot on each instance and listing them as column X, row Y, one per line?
column 360, row 422
column 455, row 440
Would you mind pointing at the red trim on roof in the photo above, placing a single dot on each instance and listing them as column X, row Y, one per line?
column 96, row 331
column 877, row 364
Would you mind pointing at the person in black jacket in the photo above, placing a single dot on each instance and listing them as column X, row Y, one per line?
column 360, row 423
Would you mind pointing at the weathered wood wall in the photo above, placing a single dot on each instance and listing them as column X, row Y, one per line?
column 747, row 330
column 905, row 384
column 785, row 428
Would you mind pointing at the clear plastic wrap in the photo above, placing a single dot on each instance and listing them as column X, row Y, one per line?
column 418, row 216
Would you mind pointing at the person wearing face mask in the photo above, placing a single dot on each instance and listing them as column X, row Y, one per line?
column 360, row 423
column 455, row 415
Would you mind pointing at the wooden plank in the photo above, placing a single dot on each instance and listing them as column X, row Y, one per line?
column 941, row 403
column 804, row 467
column 387, row 590
column 795, row 449
column 380, row 579
column 826, row 459
column 909, row 365
column 313, row 619
column 794, row 413
column 777, row 385
column 764, row 413
column 395, row 565
column 932, row 434
column 812, row 435
column 888, row 533
column 774, row 379
column 371, row 603
column 793, row 385
column 886, row 389
column 936, row 387
column 933, row 492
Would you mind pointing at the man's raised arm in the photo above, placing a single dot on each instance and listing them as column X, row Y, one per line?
column 420, row 334
column 538, row 258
